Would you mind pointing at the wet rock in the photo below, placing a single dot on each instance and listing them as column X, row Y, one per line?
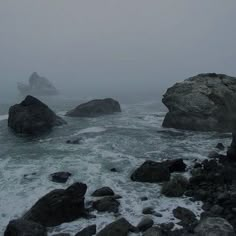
column 22, row 227
column 144, row 198
column 152, row 172
column 214, row 226
column 176, row 165
column 231, row 153
column 220, row 146
column 113, row 170
column 109, row 204
column 120, row 227
column 61, row 234
column 167, row 226
column 205, row 102
column 32, row 117
column 214, row 155
column 105, row 191
column 88, row 231
column 148, row 211
column 176, row 187
column 155, row 231
column 74, row 141
column 59, row 206
column 60, row 177
column 95, row 108
column 185, row 215
column 145, row 224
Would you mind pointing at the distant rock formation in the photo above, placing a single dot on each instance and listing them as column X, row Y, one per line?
column 37, row 86
column 31, row 117
column 206, row 102
column 95, row 108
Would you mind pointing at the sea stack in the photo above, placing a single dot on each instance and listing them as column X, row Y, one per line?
column 96, row 108
column 206, row 102
column 32, row 117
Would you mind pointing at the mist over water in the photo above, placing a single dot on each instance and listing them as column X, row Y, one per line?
column 131, row 50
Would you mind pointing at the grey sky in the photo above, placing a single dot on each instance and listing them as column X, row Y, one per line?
column 106, row 47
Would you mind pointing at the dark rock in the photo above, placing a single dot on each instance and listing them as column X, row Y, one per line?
column 145, row 224
column 148, row 211
column 203, row 103
column 155, row 231
column 214, row 226
column 144, row 198
column 176, row 165
column 120, row 227
column 75, row 141
column 185, row 215
column 167, row 226
column 105, row 191
column 89, row 231
column 152, row 172
column 176, row 187
column 37, row 86
column 22, row 227
column 60, row 177
column 216, row 209
column 59, row 206
column 61, row 234
column 231, row 153
column 95, row 108
column 214, row 155
column 32, row 117
column 109, row 204
column 113, row 170
column 220, row 146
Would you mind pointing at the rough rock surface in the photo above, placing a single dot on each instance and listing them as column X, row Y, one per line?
column 109, row 204
column 206, row 102
column 88, row 231
column 31, row 117
column 60, row 177
column 95, row 108
column 104, row 191
column 22, row 227
column 152, row 172
column 214, row 226
column 120, row 227
column 37, row 86
column 59, row 206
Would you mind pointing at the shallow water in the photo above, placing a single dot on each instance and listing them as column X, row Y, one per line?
column 122, row 141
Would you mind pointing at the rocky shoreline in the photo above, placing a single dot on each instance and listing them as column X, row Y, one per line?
column 212, row 181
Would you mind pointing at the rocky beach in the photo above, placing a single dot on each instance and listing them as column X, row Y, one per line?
column 106, row 168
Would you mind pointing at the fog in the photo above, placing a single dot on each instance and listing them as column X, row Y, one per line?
column 122, row 49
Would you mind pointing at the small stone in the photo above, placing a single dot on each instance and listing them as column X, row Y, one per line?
column 220, row 146
column 105, row 191
column 148, row 211
column 145, row 224
column 167, row 226
column 60, row 177
column 143, row 199
column 109, row 204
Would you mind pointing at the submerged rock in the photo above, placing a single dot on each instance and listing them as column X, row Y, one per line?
column 214, row 226
column 59, row 206
column 231, row 153
column 206, row 102
column 145, row 224
column 185, row 215
column 96, row 108
column 109, row 204
column 104, row 191
column 32, row 117
column 120, row 227
column 176, row 187
column 60, row 177
column 37, row 86
column 22, row 227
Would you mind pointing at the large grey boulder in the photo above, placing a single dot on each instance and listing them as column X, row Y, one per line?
column 206, row 102
column 95, row 108
column 214, row 226
column 32, row 116
column 37, row 85
column 59, row 206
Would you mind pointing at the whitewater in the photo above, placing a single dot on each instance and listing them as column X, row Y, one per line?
column 122, row 141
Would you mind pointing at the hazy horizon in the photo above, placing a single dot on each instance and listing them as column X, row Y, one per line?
column 132, row 49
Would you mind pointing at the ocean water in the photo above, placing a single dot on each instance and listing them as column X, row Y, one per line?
column 122, row 141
